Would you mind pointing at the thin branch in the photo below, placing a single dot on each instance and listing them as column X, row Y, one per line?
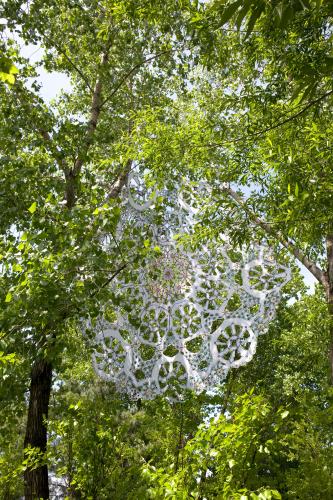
column 329, row 253
column 131, row 71
column 53, row 149
column 84, row 78
column 272, row 127
column 231, row 380
column 289, row 245
column 22, row 96
column 180, row 444
column 121, row 178
column 108, row 281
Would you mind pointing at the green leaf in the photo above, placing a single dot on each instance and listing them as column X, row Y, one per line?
column 287, row 15
column 227, row 428
column 7, row 358
column 9, row 297
column 7, row 71
column 6, row 78
column 196, row 17
column 242, row 13
column 285, row 414
column 303, row 4
column 229, row 11
column 256, row 13
column 32, row 209
column 279, row 9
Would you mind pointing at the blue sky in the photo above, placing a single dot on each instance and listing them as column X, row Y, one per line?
column 52, row 83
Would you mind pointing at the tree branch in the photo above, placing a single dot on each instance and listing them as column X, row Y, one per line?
column 81, row 74
column 72, row 174
column 53, row 149
column 131, row 71
column 119, row 182
column 108, row 281
column 23, row 95
column 329, row 254
column 272, row 127
column 94, row 116
column 289, row 245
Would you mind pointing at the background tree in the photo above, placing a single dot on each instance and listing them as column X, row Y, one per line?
column 271, row 441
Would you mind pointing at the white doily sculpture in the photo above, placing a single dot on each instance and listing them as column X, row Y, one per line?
column 185, row 315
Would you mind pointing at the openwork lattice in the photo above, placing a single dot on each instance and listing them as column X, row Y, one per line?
column 186, row 315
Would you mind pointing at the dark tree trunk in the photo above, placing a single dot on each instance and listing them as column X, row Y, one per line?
column 36, row 484
column 329, row 293
column 330, row 309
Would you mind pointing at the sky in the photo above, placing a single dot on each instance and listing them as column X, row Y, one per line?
column 52, row 83
column 309, row 279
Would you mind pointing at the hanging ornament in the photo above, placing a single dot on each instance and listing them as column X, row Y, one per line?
column 186, row 315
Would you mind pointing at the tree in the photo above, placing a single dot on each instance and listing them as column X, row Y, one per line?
column 286, row 104
column 271, row 438
column 169, row 88
column 257, row 127
column 64, row 165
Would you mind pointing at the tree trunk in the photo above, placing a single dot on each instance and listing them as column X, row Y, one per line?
column 330, row 310
column 329, row 294
column 36, row 484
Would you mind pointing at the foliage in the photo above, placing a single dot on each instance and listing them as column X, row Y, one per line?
column 274, row 439
column 222, row 455
column 7, row 70
column 237, row 93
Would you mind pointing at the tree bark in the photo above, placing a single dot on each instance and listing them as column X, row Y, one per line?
column 330, row 310
column 36, row 480
column 329, row 294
